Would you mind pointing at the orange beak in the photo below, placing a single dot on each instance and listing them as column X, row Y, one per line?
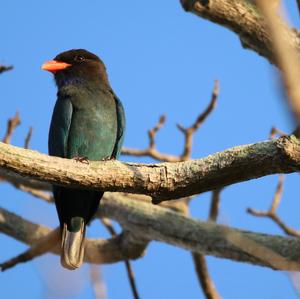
column 53, row 66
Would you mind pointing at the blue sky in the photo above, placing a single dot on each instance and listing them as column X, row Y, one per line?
column 160, row 60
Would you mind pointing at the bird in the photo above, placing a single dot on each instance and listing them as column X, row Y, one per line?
column 88, row 124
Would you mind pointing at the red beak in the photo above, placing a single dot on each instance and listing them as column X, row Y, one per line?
column 53, row 66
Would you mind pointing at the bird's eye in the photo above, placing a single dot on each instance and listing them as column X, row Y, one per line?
column 79, row 58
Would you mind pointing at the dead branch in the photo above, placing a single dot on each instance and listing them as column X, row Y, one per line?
column 28, row 138
column 204, row 278
column 188, row 133
column 151, row 151
column 214, row 206
column 11, row 126
column 201, row 267
column 130, row 274
column 272, row 212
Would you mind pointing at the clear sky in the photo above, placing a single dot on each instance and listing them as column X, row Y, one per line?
column 160, row 60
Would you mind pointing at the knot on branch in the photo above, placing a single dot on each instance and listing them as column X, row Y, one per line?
column 289, row 147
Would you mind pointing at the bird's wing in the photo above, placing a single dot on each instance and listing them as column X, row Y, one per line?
column 60, row 127
column 121, row 127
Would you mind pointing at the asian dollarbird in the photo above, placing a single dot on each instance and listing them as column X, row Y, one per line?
column 88, row 122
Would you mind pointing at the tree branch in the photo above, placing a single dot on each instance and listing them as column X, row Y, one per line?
column 188, row 133
column 164, row 225
column 123, row 246
column 286, row 56
column 243, row 18
column 107, row 223
column 12, row 123
column 163, row 181
column 272, row 212
column 204, row 278
column 157, row 223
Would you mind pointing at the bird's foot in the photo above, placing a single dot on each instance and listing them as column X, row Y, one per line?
column 84, row 160
column 108, row 158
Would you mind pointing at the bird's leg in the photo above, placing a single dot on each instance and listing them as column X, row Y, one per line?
column 84, row 160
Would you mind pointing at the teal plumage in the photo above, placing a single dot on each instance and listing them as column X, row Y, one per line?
column 88, row 121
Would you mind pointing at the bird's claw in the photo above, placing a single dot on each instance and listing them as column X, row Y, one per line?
column 84, row 160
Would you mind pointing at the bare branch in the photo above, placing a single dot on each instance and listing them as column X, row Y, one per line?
column 107, row 223
column 271, row 213
column 188, row 133
column 11, row 126
column 214, row 206
column 205, row 281
column 204, row 278
column 28, row 138
column 151, row 151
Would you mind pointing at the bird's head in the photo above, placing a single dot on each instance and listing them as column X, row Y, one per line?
column 77, row 66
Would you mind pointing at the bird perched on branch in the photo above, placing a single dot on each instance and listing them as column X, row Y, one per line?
column 88, row 123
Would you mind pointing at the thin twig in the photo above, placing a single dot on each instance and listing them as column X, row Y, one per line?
column 107, row 223
column 12, row 123
column 152, row 152
column 272, row 212
column 214, row 206
column 206, row 282
column 28, row 138
column 204, row 278
column 189, row 132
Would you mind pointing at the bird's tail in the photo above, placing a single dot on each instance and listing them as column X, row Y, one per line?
column 73, row 243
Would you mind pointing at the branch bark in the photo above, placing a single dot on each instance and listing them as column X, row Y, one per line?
column 162, row 181
column 243, row 18
column 157, row 223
